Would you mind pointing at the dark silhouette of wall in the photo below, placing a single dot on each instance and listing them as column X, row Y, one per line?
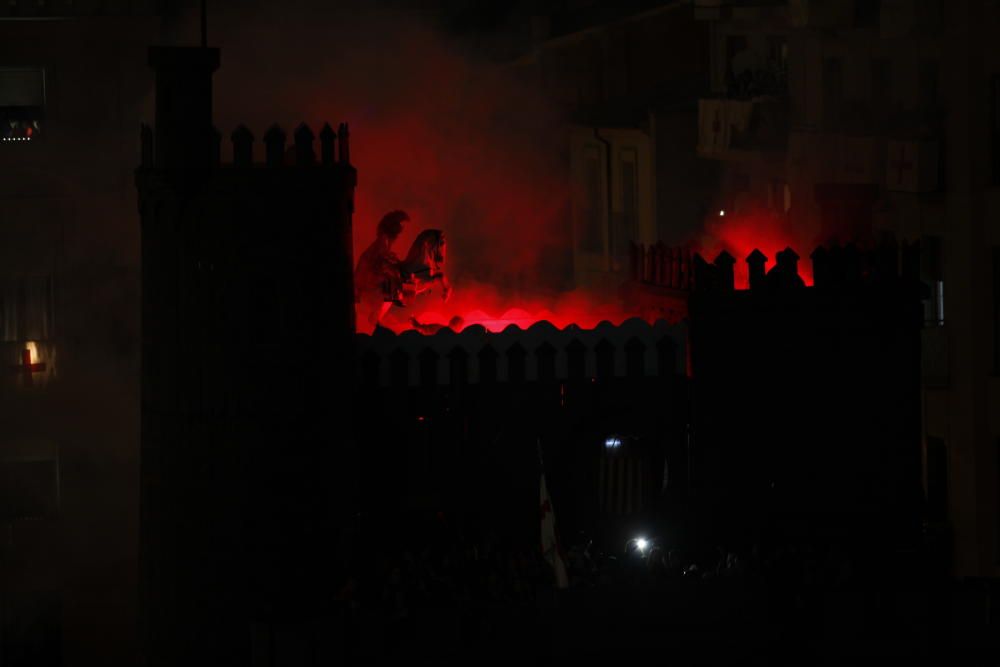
column 807, row 399
column 247, row 326
column 454, row 423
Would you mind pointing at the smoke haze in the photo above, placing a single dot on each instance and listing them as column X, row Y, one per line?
column 457, row 142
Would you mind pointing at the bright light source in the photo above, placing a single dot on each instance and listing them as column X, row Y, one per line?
column 613, row 442
column 641, row 543
column 722, row 213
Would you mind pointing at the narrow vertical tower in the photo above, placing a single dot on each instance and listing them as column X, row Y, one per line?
column 247, row 353
column 183, row 105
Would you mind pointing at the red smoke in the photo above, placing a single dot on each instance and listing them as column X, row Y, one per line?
column 460, row 144
column 450, row 145
column 739, row 234
column 482, row 304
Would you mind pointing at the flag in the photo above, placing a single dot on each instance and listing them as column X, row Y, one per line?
column 550, row 544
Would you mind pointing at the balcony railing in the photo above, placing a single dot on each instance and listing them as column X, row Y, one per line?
column 730, row 128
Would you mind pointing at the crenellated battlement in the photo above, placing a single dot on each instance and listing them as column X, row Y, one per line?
column 541, row 353
column 633, row 349
column 833, row 266
column 334, row 147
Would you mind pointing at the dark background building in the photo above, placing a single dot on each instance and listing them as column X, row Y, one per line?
column 74, row 82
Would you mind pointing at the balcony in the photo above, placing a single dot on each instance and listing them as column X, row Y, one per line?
column 742, row 129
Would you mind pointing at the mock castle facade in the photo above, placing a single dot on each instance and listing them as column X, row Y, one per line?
column 775, row 412
column 257, row 458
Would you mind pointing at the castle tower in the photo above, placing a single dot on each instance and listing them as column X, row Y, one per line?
column 247, row 350
column 183, row 105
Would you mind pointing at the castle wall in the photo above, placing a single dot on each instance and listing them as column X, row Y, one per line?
column 456, row 422
column 247, row 353
column 860, row 85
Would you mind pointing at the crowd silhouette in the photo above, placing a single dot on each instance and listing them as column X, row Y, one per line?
column 447, row 593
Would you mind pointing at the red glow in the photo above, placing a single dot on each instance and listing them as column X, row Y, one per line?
column 461, row 145
column 479, row 304
column 740, row 233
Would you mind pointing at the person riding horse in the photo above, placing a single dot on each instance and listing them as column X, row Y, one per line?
column 377, row 278
column 381, row 280
column 424, row 267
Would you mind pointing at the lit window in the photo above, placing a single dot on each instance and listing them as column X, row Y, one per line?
column 27, row 330
column 613, row 442
column 22, row 103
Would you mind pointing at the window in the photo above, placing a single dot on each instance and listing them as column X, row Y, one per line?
column 26, row 309
column 929, row 77
column 833, row 91
column 777, row 52
column 629, row 228
column 933, row 275
column 591, row 238
column 996, row 310
column 937, row 302
column 881, row 105
column 997, row 487
column 995, row 126
column 27, row 331
column 22, row 103
column 756, row 65
column 776, row 72
column 735, row 45
column 881, row 80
